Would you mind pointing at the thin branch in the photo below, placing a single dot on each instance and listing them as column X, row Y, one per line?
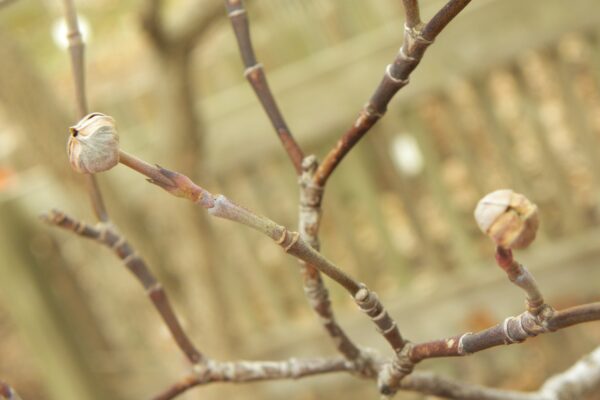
column 251, row 371
column 511, row 330
column 104, row 232
column 180, row 185
column 256, row 76
column 107, row 235
column 8, row 393
column 76, row 51
column 443, row 18
column 520, row 276
column 314, row 288
column 581, row 379
column 412, row 13
column 396, row 76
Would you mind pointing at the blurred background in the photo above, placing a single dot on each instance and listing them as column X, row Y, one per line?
column 508, row 96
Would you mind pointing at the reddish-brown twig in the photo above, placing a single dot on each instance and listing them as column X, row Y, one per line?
column 256, row 76
column 412, row 13
column 416, row 41
column 107, row 235
column 511, row 330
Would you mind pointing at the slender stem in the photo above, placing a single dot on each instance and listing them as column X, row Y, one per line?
column 180, row 185
column 443, row 18
column 520, row 276
column 511, row 330
column 256, row 76
column 108, row 236
column 412, row 13
column 77, row 51
column 252, row 371
column 314, row 288
column 416, row 41
column 581, row 379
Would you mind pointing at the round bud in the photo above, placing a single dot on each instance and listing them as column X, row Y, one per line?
column 508, row 218
column 94, row 144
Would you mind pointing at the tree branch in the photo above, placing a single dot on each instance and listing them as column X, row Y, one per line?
column 396, row 76
column 314, row 288
column 511, row 330
column 251, row 371
column 107, row 235
column 104, row 232
column 581, row 379
column 256, row 76
column 412, row 13
column 76, row 51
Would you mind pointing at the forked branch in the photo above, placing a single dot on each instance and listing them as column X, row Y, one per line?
column 416, row 41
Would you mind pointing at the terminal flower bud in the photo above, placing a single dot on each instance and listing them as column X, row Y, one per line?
column 94, row 144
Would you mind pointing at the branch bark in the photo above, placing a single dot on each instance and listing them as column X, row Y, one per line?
column 105, row 232
column 108, row 236
column 256, row 76
column 416, row 41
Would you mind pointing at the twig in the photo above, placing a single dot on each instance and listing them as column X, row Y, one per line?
column 8, row 393
column 310, row 194
column 581, row 379
column 396, row 76
column 76, row 51
column 105, row 233
column 180, row 185
column 251, row 371
column 108, row 236
column 314, row 287
column 256, row 76
column 521, row 277
column 412, row 13
column 511, row 330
